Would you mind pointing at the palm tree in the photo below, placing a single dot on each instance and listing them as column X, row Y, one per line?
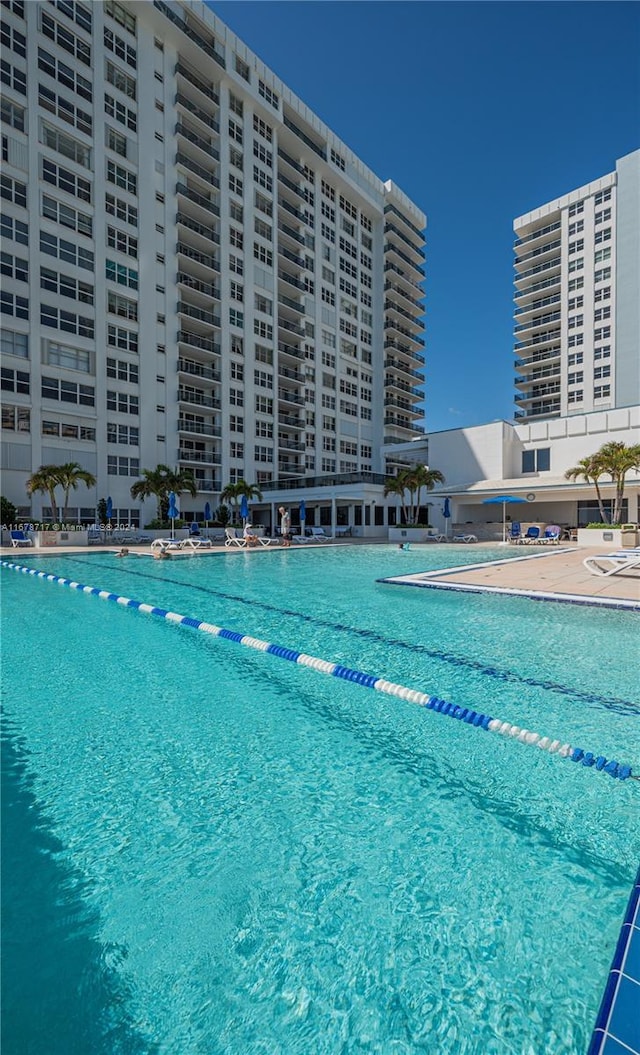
column 591, row 470
column 159, row 483
column 616, row 459
column 399, row 485
column 45, row 480
column 69, row 476
column 422, row 476
column 234, row 492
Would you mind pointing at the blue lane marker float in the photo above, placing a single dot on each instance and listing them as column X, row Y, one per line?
column 470, row 717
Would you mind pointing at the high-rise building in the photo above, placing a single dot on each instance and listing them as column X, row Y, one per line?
column 196, row 270
column 577, row 279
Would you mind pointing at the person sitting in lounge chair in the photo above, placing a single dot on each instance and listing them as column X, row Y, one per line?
column 249, row 535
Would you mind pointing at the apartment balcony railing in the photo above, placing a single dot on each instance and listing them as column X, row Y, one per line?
column 399, row 347
column 206, row 259
column 198, row 427
column 390, row 266
column 389, row 247
column 397, row 364
column 304, row 137
column 207, row 373
column 293, row 375
column 402, row 423
column 549, row 229
column 291, row 421
column 390, row 228
column 297, row 189
column 541, row 320
column 404, row 294
column 396, row 212
column 197, row 111
column 392, row 324
column 400, row 404
column 208, row 46
column 194, row 340
column 199, row 228
column 541, row 338
column 291, row 349
column 207, row 288
column 199, row 399
column 290, row 445
column 534, row 305
column 207, row 457
column 537, row 391
column 537, row 375
column 290, row 397
column 295, row 305
column 548, row 247
column 539, row 357
column 197, row 198
column 291, row 233
column 288, row 255
column 390, row 305
column 184, row 308
column 292, row 162
column 543, row 410
column 302, row 217
column 207, row 89
column 205, row 174
column 208, row 484
column 547, row 266
column 206, row 145
column 284, row 324
column 391, row 381
column 292, row 280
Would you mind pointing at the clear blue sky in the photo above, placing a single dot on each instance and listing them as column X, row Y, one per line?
column 479, row 112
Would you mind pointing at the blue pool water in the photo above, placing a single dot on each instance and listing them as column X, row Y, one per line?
column 213, row 851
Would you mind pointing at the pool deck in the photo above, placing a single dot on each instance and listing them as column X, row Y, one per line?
column 556, row 574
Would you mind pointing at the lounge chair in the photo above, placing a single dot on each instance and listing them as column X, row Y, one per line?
column 465, row 538
column 318, row 534
column 342, row 532
column 165, row 544
column 264, row 540
column 301, row 539
column 551, row 535
column 94, row 536
column 195, row 544
column 231, row 539
column 18, row 538
column 436, row 538
column 531, row 535
column 613, row 563
column 515, row 533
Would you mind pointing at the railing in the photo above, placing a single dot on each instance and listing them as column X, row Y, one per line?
column 526, row 379
column 332, row 480
column 291, row 233
column 291, row 349
column 199, row 399
column 542, row 320
column 290, row 397
column 389, row 266
column 293, row 375
column 397, row 364
column 210, row 457
column 207, row 373
column 201, row 287
column 305, row 138
column 391, row 208
column 390, row 228
column 291, row 209
column 545, row 284
column 199, row 228
column 197, row 199
column 184, row 308
column 539, row 357
column 389, row 305
column 538, row 392
column 288, row 255
column 537, row 234
column 292, row 280
column 401, row 423
column 295, row 305
column 203, row 144
column 405, row 349
column 540, row 251
column 284, row 325
column 199, row 427
column 202, row 115
column 206, row 89
column 542, row 338
column 392, row 324
column 404, row 293
column 292, row 162
column 535, row 304
column 196, row 341
column 291, row 421
column 201, row 258
column 198, row 170
column 389, row 247
column 536, row 270
column 206, row 46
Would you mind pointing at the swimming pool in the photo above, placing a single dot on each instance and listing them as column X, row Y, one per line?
column 231, row 854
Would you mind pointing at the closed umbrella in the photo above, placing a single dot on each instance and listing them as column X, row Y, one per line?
column 303, row 516
column 173, row 511
column 207, row 514
column 446, row 512
column 504, row 500
column 244, row 509
column 109, row 510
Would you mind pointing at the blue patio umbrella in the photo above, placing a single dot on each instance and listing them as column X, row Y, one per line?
column 503, row 500
column 173, row 511
column 207, row 513
column 303, row 515
column 244, row 509
column 446, row 512
column 109, row 510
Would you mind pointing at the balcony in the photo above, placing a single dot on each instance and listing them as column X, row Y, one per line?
column 539, row 357
column 292, row 327
column 537, row 375
column 206, row 373
column 405, row 349
column 536, row 304
column 406, row 296
column 541, row 338
column 392, row 324
column 293, row 305
column 292, row 421
column 208, row 457
column 549, row 229
column 291, row 257
column 207, row 317
column 389, row 266
column 302, row 217
column 284, row 276
column 389, row 247
column 291, row 233
column 543, row 410
column 291, row 349
column 292, row 375
column 199, row 399
column 197, row 111
column 317, row 148
column 402, row 423
column 286, row 396
column 207, row 89
column 398, row 364
column 194, row 340
column 206, row 145
column 198, row 228
column 206, row 259
column 198, row 199
column 206, row 175
column 206, row 288
column 546, row 283
column 540, row 320
column 538, row 391
column 391, row 209
column 391, row 229
column 296, row 165
column 549, row 265
column 285, row 444
column 542, row 250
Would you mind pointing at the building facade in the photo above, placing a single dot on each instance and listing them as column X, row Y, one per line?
column 195, row 270
column 577, row 283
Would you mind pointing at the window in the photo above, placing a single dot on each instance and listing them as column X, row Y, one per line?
column 67, row 216
column 577, row 246
column 264, row 405
column 65, row 110
column 601, row 371
column 576, row 378
column 122, row 306
column 263, row 254
column 262, row 128
column 16, row 419
column 575, row 302
column 603, row 352
column 126, row 435
column 123, row 403
column 235, row 104
column 241, row 68
column 603, row 215
column 264, row 429
column 262, row 379
column 14, row 305
column 119, row 47
column 602, row 236
column 236, row 423
column 262, row 154
column 118, row 337
column 122, row 466
column 235, row 131
column 575, row 339
column 76, row 12
column 263, row 329
column 14, row 267
column 15, row 381
column 13, row 190
column 263, row 179
column 236, row 237
column 236, row 291
column 236, row 266
column 263, row 304
column 575, row 396
column 268, row 94
column 121, row 209
column 68, row 392
column 236, row 449
column 236, row 158
column 603, row 333
column 66, row 145
column 576, row 283
column 236, row 211
column 60, row 319
column 115, row 141
column 65, row 39
column 121, row 113
column 602, row 196
column 124, row 276
column 536, row 460
column 602, row 275
column 14, row 230
column 576, row 265
column 602, row 313
column 575, row 320
column 602, row 254
column 12, row 40
column 68, row 358
column 12, row 114
column 65, row 286
column 122, row 177
column 602, row 392
column 12, row 343
column 67, row 76
column 236, row 185
column 70, row 252
column 576, row 227
column 121, row 370
column 337, row 160
column 120, row 15
column 576, row 208
column 66, row 180
column 13, row 77
column 575, row 358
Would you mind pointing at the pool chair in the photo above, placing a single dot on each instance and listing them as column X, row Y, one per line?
column 194, row 544
column 515, row 532
column 436, row 538
column 231, row 539
column 551, row 535
column 317, row 534
column 167, row 544
column 532, row 535
column 94, row 536
column 613, row 563
column 264, row 540
column 465, row 538
column 18, row 538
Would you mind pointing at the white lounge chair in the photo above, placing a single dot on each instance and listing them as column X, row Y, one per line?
column 195, row 543
column 436, row 538
column 18, row 538
column 165, row 544
column 231, row 539
column 301, row 539
column 318, row 533
column 465, row 538
column 613, row 563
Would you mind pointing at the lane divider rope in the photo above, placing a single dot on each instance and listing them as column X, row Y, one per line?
column 477, row 719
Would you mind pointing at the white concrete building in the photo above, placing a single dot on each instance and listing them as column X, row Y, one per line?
column 577, row 296
column 196, row 271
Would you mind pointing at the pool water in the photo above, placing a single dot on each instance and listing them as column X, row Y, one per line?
column 209, row 850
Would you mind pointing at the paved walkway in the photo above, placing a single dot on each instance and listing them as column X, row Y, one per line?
column 554, row 572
